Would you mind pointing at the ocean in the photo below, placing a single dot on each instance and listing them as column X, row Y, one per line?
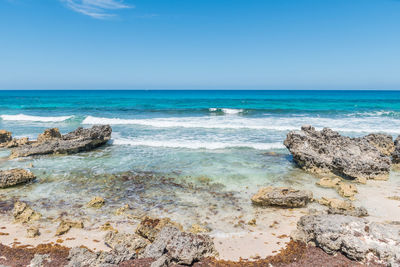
column 194, row 156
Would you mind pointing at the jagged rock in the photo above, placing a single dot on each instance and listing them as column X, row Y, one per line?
column 383, row 142
column 96, row 202
column 336, row 203
column 81, row 256
column 396, row 152
column 5, row 137
column 124, row 247
column 77, row 141
column 49, row 134
column 347, row 190
column 196, row 229
column 356, row 238
column 13, row 177
column 175, row 247
column 327, row 151
column 356, row 212
column 32, row 232
column 65, row 226
column 329, row 183
column 40, row 260
column 23, row 213
column 127, row 245
column 108, row 227
column 150, row 227
column 282, row 196
column 18, row 142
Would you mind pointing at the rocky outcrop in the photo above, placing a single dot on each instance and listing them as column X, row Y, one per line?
column 337, row 206
column 173, row 246
column 5, row 137
column 396, row 152
column 282, row 196
column 14, row 177
column 327, row 151
column 24, row 214
column 149, row 227
column 66, row 225
column 51, row 142
column 356, row 238
column 383, row 142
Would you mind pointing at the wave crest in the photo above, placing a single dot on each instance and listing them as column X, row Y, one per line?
column 23, row 117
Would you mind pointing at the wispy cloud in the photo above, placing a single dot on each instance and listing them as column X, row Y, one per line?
column 98, row 9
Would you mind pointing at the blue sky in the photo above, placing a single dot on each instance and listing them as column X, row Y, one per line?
column 199, row 44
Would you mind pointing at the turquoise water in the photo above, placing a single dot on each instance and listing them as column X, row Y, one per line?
column 185, row 151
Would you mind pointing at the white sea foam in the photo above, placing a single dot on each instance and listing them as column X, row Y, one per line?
column 355, row 125
column 229, row 111
column 23, row 117
column 195, row 144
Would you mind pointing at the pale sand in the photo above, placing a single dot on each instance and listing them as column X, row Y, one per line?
column 269, row 235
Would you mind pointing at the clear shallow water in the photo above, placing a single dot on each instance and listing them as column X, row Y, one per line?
column 196, row 156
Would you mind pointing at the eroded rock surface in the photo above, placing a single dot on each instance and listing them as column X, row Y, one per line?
column 50, row 142
column 173, row 246
column 5, row 137
column 327, row 151
column 282, row 196
column 149, row 227
column 14, row 177
column 396, row 152
column 24, row 214
column 356, row 238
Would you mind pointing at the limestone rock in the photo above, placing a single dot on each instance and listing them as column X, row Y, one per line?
column 383, row 142
column 327, row 151
column 96, row 202
column 77, row 141
column 396, row 152
column 328, row 182
column 23, row 213
column 40, row 260
column 336, row 203
column 356, row 238
column 32, row 232
column 13, row 177
column 196, row 229
column 150, row 227
column 173, row 246
column 5, row 137
column 282, row 196
column 49, row 134
column 65, row 226
column 125, row 244
column 17, row 142
column 347, row 190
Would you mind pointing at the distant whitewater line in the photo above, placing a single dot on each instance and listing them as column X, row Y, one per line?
column 195, row 144
column 22, row 117
column 356, row 125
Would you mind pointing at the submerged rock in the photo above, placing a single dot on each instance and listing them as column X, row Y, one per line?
column 77, row 141
column 327, row 151
column 356, row 238
column 23, row 213
column 5, row 137
column 329, row 183
column 96, row 202
column 13, row 177
column 173, row 246
column 282, row 196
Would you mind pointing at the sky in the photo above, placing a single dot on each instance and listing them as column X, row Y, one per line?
column 200, row 44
